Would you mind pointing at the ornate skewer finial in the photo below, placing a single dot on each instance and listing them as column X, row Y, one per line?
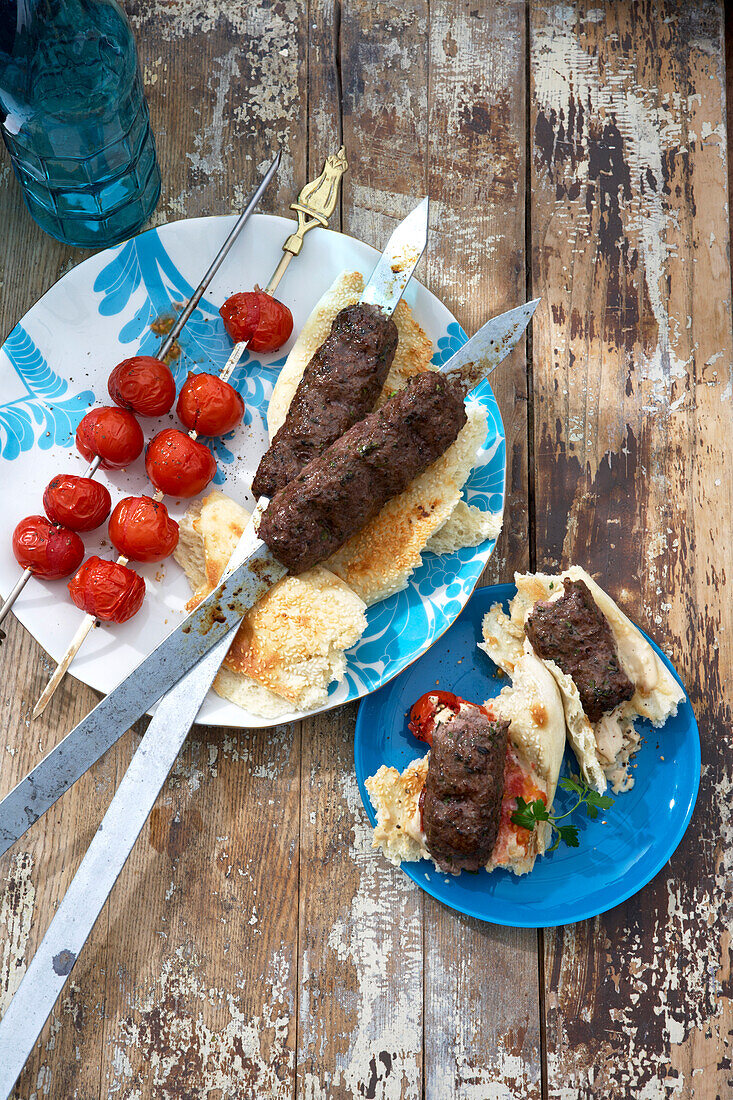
column 314, row 206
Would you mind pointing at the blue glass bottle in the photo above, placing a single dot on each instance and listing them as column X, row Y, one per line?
column 74, row 118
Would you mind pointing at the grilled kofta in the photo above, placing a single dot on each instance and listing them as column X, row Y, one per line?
column 335, row 495
column 461, row 800
column 340, row 385
column 574, row 633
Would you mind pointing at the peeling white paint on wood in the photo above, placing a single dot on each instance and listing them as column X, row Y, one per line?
column 379, row 959
column 16, row 916
column 183, row 1038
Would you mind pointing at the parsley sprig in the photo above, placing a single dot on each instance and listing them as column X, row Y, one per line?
column 528, row 814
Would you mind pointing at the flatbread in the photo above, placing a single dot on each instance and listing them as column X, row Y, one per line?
column 533, row 706
column 467, row 525
column 292, row 644
column 603, row 749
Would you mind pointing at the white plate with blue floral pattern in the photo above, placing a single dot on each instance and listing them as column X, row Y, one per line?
column 54, row 366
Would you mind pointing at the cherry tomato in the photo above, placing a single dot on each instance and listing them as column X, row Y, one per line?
column 142, row 530
column 113, row 434
column 209, row 406
column 241, row 314
column 108, row 591
column 423, row 712
column 76, row 502
column 49, row 552
column 259, row 318
column 178, row 465
column 144, row 385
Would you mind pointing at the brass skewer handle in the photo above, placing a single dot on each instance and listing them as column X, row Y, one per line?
column 317, row 201
column 314, row 206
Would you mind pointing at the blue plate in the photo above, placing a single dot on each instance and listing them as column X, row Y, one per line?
column 619, row 852
column 55, row 364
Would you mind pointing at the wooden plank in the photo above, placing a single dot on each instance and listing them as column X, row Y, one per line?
column 482, row 1034
column 632, row 360
column 189, row 979
column 201, row 960
column 34, row 874
column 360, row 974
column 201, row 991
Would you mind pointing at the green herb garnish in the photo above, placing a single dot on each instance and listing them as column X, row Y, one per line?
column 527, row 814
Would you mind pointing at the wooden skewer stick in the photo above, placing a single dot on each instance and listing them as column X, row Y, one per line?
column 315, row 204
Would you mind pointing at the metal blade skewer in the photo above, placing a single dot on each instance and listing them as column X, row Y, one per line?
column 111, row 845
column 489, row 346
column 89, row 621
column 128, row 811
column 77, row 914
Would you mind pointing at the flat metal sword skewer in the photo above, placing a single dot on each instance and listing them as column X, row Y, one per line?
column 111, row 845
column 136, row 795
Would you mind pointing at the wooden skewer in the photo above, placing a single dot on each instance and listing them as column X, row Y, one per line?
column 316, row 202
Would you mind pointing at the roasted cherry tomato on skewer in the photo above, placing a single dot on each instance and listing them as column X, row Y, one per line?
column 143, row 384
column 257, row 317
column 76, row 502
column 178, row 465
column 112, row 434
column 208, row 405
column 141, row 529
column 107, row 590
column 48, row 551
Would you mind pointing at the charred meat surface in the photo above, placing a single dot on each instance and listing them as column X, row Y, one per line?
column 339, row 387
column 575, row 634
column 338, row 493
column 461, row 808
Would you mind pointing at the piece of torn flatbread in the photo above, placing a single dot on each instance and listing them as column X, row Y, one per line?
column 292, row 644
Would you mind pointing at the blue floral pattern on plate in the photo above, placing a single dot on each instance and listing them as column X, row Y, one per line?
column 41, row 415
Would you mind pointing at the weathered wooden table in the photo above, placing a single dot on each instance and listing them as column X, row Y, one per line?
column 254, row 946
